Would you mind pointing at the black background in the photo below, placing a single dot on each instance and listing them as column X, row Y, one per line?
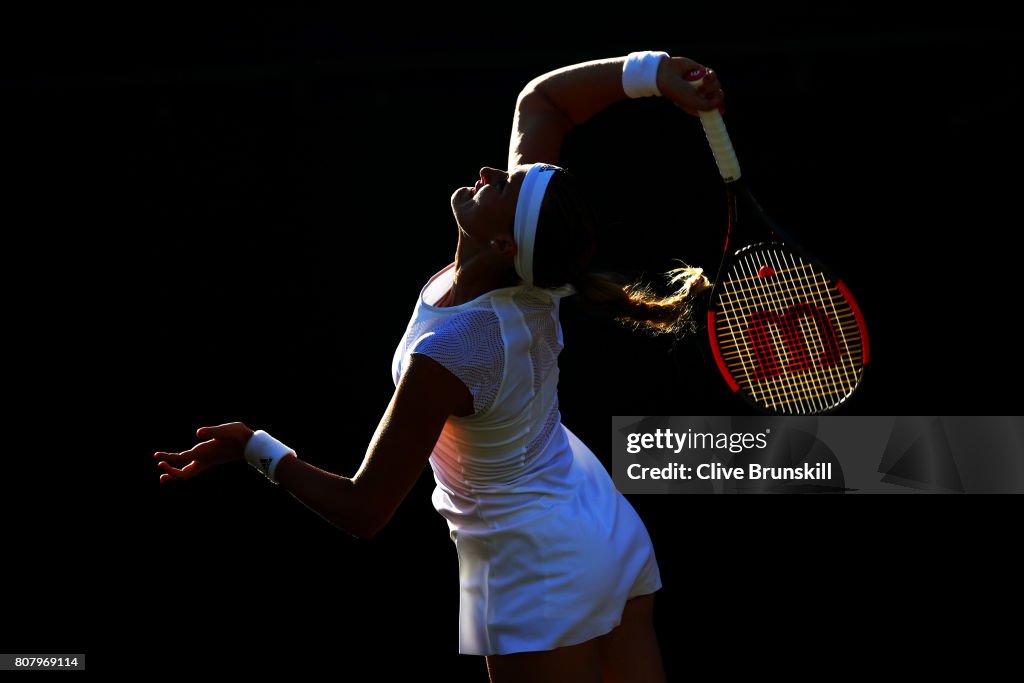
column 229, row 217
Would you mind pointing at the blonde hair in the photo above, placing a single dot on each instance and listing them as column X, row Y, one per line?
column 640, row 307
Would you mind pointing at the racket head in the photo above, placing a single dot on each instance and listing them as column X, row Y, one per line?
column 785, row 334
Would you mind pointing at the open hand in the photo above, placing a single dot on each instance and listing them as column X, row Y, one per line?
column 673, row 85
column 225, row 443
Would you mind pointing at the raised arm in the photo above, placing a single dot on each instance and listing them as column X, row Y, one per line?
column 426, row 395
column 551, row 104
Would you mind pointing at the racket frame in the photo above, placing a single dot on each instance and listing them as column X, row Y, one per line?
column 735, row 190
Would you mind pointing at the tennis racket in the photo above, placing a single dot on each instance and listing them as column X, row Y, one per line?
column 786, row 335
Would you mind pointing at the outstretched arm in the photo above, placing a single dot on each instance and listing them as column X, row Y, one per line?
column 426, row 395
column 550, row 105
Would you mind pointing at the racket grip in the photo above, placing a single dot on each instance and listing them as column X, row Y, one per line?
column 718, row 136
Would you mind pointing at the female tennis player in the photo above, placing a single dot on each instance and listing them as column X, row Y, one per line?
column 557, row 572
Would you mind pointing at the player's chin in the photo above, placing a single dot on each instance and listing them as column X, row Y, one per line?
column 462, row 199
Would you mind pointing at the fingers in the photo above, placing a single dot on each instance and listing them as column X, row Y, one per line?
column 184, row 457
column 717, row 101
column 712, row 92
column 176, row 458
column 712, row 100
column 223, row 443
column 171, row 473
column 693, row 100
column 165, row 459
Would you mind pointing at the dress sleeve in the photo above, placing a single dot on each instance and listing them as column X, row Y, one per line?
column 469, row 345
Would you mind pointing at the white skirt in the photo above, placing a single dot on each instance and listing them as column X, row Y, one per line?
column 558, row 576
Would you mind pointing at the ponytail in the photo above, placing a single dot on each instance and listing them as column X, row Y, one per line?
column 638, row 306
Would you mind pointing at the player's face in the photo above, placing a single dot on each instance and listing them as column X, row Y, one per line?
column 488, row 209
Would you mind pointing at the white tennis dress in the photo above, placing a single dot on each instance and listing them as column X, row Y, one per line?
column 549, row 551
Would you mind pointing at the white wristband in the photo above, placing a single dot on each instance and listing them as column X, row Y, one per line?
column 264, row 452
column 640, row 73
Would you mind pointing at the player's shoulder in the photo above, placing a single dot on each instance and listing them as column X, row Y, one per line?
column 462, row 333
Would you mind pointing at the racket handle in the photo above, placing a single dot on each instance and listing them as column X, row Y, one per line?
column 718, row 136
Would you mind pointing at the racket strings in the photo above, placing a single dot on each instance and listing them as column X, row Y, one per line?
column 807, row 391
column 838, row 377
column 809, row 394
column 790, row 339
column 758, row 291
column 814, row 388
column 811, row 399
column 850, row 374
column 765, row 357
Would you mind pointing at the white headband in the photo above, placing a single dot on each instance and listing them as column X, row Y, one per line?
column 531, row 195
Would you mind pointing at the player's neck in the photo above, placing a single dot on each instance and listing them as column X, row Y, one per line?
column 477, row 271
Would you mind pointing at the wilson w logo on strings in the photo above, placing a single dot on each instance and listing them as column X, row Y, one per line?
column 760, row 339
column 785, row 333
